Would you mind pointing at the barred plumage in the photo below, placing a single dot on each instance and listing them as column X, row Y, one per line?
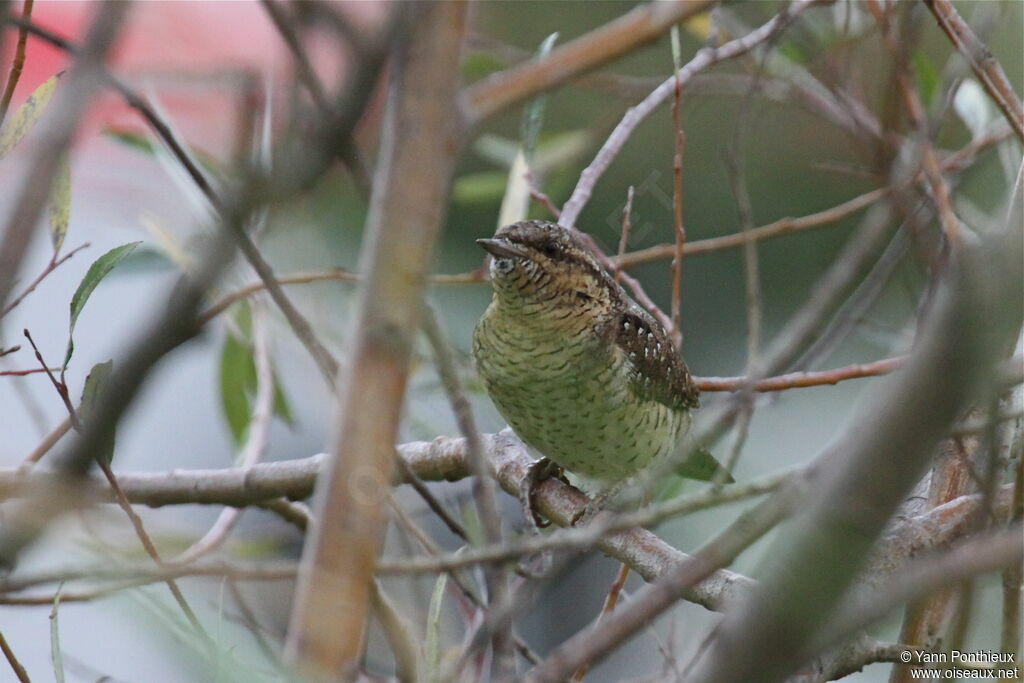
column 580, row 371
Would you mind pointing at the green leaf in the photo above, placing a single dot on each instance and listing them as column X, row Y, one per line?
column 702, row 466
column 479, row 65
column 95, row 383
column 281, row 407
column 100, row 268
column 237, row 377
column 27, row 115
column 141, row 143
column 927, row 76
column 130, row 138
column 59, row 207
column 480, row 188
column 238, row 384
column 146, row 260
column 432, row 646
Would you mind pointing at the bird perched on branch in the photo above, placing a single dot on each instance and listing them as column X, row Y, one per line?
column 579, row 370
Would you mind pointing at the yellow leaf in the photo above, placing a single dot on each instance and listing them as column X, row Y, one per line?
column 59, row 207
column 699, row 26
column 27, row 115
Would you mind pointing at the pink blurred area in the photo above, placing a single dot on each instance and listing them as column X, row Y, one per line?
column 194, row 56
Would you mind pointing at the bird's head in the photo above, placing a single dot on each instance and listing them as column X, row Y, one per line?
column 543, row 266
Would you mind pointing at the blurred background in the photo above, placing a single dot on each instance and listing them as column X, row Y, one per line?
column 206, row 64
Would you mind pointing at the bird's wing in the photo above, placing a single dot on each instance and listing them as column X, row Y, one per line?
column 656, row 371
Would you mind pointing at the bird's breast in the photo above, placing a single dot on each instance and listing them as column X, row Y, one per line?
column 567, row 394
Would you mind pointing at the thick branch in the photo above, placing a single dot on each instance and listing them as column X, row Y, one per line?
column 410, row 190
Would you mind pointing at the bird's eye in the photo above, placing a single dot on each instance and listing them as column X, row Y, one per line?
column 551, row 249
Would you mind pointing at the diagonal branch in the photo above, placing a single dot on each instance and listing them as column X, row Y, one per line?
column 984, row 65
column 611, row 41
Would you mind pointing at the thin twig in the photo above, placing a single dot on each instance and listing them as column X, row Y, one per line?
column 50, row 267
column 483, row 484
column 18, row 63
column 12, row 659
column 546, row 202
column 626, row 226
column 30, row 371
column 610, row 600
column 984, row 65
column 47, row 443
column 752, row 279
column 795, row 380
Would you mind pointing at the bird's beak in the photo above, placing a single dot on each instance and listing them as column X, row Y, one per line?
column 502, row 248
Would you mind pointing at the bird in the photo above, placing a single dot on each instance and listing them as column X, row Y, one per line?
column 581, row 372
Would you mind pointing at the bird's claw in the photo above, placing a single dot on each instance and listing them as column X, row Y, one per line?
column 538, row 471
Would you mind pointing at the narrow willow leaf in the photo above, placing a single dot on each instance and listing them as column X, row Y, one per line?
column 238, row 383
column 482, row 187
column 677, row 50
column 432, row 646
column 130, row 138
column 237, row 376
column 95, row 383
column 27, row 115
column 100, row 268
column 59, row 207
column 55, row 655
column 702, row 466
column 533, row 116
column 927, row 76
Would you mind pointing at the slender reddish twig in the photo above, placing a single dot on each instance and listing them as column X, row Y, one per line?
column 18, row 63
column 545, row 201
column 22, row 373
column 53, row 264
column 610, row 600
column 119, row 495
column 795, row 380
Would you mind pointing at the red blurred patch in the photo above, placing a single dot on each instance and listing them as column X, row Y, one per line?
column 195, row 57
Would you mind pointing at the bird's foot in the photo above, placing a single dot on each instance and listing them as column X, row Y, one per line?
column 539, row 471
